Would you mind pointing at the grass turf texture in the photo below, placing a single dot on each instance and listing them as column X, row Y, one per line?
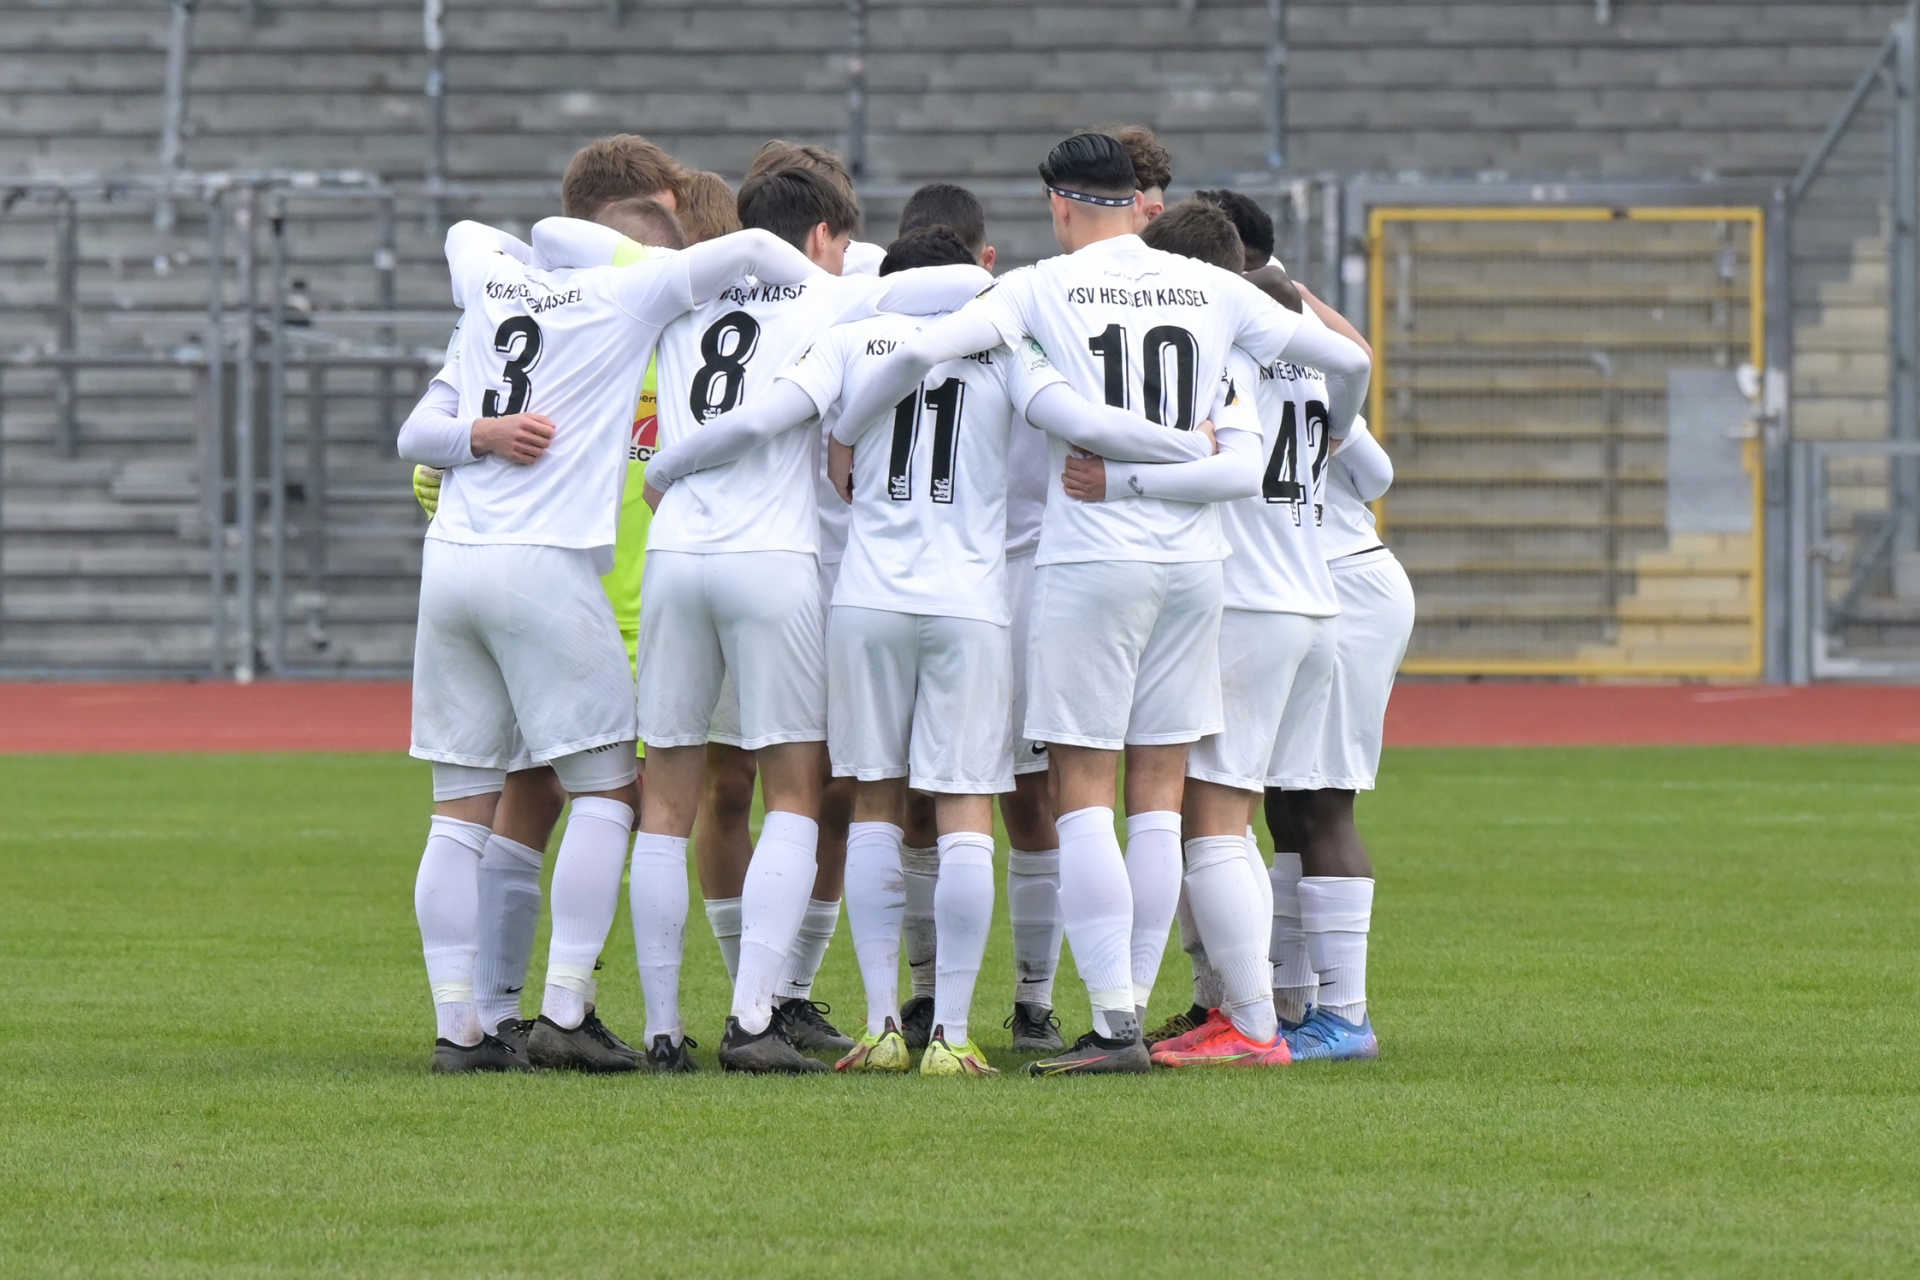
column 1644, row 1011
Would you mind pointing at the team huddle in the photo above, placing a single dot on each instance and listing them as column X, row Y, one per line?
column 896, row 539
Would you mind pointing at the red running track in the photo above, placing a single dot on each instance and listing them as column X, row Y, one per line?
column 367, row 716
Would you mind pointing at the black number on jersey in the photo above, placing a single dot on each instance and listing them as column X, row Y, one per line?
column 1110, row 344
column 725, row 348
column 1282, row 482
column 518, row 339
column 946, row 400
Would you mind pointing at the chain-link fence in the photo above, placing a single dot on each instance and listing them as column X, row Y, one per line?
column 1561, row 389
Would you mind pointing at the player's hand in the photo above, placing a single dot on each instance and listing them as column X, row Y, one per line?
column 1206, row 429
column 840, row 469
column 1085, row 478
column 519, row 438
column 426, row 488
column 651, row 496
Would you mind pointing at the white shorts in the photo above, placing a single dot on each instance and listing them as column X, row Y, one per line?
column 1376, row 619
column 517, row 660
column 1029, row 756
column 725, row 726
column 1296, row 749
column 1122, row 652
column 920, row 697
column 1261, row 676
column 752, row 615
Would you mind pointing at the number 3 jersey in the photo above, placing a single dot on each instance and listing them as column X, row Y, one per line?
column 929, row 524
column 569, row 344
column 1277, row 565
column 719, row 356
column 1144, row 330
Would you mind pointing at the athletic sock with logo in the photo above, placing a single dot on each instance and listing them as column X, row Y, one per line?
column 446, row 902
column 1096, row 909
column 1206, row 979
column 963, row 912
column 922, row 868
column 1336, row 913
column 809, row 949
column 509, row 887
column 876, row 902
column 1033, row 908
column 1226, row 908
column 585, row 894
column 1153, row 871
column 657, row 893
column 723, row 915
column 1293, row 979
column 772, row 903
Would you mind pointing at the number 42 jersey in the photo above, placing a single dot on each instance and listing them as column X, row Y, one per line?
column 570, row 344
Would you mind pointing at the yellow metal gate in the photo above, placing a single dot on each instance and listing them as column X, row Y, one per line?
column 1577, row 491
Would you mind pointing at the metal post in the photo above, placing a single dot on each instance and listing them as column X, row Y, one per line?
column 277, row 443
column 66, row 266
column 857, row 87
column 174, row 111
column 616, row 13
column 1276, row 85
column 213, row 484
column 386, row 266
column 3, row 513
column 1799, row 549
column 1775, row 446
column 313, row 530
column 1903, row 362
column 436, row 167
column 246, row 485
column 1331, row 242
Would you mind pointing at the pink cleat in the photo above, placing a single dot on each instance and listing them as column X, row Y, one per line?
column 1228, row 1046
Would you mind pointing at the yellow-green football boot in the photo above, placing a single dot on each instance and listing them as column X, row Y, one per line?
column 963, row 1059
column 884, row 1052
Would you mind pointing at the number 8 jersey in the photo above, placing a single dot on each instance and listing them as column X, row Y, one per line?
column 1144, row 330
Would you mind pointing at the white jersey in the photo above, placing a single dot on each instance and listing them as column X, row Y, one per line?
column 1028, row 460
column 720, row 356
column 1144, row 330
column 570, row 344
column 863, row 258
column 1277, row 565
column 1347, row 526
column 929, row 515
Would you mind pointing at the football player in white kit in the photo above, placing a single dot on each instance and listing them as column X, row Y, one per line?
column 515, row 631
column 1279, row 602
column 1127, row 603
column 1328, row 882
column 732, row 588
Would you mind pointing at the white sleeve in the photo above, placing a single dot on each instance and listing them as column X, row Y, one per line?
column 863, row 259
column 932, row 291
column 1365, row 461
column 1234, row 472
column 1345, row 365
column 660, row 291
column 1107, row 432
column 733, row 434
column 433, row 434
column 1028, row 369
column 821, row 370
column 961, row 334
column 575, row 242
column 470, row 245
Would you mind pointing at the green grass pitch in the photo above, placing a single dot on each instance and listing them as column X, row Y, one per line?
column 1643, row 1012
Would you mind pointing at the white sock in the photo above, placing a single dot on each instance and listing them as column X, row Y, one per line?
column 1206, row 979
column 509, row 914
column 1033, row 907
column 1153, row 870
column 809, row 949
column 724, row 915
column 772, row 903
column 876, row 902
column 922, row 868
column 1096, row 909
column 1262, row 877
column 446, row 902
column 1226, row 910
column 963, row 912
column 1336, row 912
column 1293, row 979
column 657, row 892
column 585, row 894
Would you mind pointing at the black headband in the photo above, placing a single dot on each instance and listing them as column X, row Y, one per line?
column 1106, row 202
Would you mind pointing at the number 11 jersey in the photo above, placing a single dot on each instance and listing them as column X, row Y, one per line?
column 1138, row 329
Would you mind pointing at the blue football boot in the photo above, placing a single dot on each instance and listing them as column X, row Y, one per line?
column 1327, row 1038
